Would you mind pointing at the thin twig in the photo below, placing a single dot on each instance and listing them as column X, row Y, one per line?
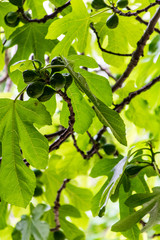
column 94, row 144
column 130, row 14
column 106, row 70
column 104, row 50
column 138, row 18
column 52, row 135
column 67, row 131
column 131, row 95
column 57, row 206
column 46, row 17
column 138, row 52
column 78, row 149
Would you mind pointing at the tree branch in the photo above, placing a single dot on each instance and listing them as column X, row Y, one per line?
column 46, row 17
column 57, row 206
column 138, row 52
column 67, row 132
column 130, row 14
column 138, row 18
column 52, row 135
column 94, row 149
column 104, row 50
column 131, row 95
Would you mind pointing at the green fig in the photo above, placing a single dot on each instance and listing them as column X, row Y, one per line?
column 35, row 89
column 47, row 94
column 112, row 21
column 30, row 76
column 57, row 81
column 122, row 3
column 57, row 61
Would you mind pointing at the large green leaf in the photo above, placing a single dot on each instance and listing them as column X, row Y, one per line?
column 3, row 214
column 71, row 164
column 83, row 112
column 74, row 25
column 99, row 86
column 107, row 116
column 80, row 197
column 30, row 38
column 17, row 131
column 37, row 8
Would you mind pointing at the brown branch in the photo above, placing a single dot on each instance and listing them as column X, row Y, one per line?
column 130, row 14
column 94, row 149
column 104, row 50
column 67, row 131
column 52, row 135
column 138, row 18
column 106, row 70
column 95, row 145
column 57, row 206
column 78, row 149
column 138, row 52
column 156, row 235
column 131, row 95
column 46, row 17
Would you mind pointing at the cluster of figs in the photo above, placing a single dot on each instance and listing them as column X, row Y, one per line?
column 12, row 19
column 113, row 20
column 43, row 84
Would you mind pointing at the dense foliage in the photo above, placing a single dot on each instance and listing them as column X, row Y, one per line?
column 80, row 119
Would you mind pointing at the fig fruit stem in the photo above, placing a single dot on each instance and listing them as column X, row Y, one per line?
column 54, row 66
column 20, row 94
column 106, row 9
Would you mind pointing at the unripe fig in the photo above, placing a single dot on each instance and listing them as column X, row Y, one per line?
column 38, row 191
column 30, row 76
column 58, row 235
column 11, row 19
column 122, row 3
column 98, row 4
column 69, row 80
column 35, row 89
column 57, row 81
column 112, row 21
column 37, row 173
column 57, row 61
column 18, row 3
column 109, row 149
column 47, row 94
